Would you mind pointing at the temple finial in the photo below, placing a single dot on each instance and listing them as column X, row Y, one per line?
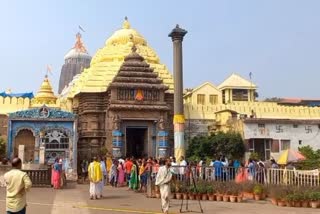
column 177, row 26
column 126, row 24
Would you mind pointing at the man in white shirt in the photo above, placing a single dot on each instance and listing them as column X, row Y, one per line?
column 163, row 180
column 183, row 166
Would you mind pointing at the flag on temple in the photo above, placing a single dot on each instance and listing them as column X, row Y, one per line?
column 49, row 69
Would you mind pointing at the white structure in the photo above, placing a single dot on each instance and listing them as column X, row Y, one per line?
column 269, row 137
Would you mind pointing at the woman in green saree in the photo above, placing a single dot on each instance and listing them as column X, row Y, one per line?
column 133, row 184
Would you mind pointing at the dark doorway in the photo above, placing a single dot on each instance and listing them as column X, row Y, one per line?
column 135, row 141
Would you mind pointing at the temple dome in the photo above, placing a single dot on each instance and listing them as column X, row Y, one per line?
column 106, row 63
column 45, row 94
column 79, row 50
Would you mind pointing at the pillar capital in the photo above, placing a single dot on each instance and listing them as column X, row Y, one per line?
column 177, row 33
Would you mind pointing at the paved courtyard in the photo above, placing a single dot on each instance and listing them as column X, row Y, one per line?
column 74, row 200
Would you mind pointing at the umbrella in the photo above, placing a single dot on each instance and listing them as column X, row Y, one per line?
column 290, row 156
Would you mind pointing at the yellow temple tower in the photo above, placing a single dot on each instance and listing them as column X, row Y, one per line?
column 45, row 95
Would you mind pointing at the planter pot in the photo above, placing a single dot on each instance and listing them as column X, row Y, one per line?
column 211, row 197
column 198, row 197
column 257, row 197
column 239, row 199
column 274, row 201
column 314, row 204
column 185, row 196
column 289, row 203
column 305, row 204
column 297, row 203
column 178, row 196
column 173, row 195
column 248, row 195
column 263, row 196
column 191, row 196
column 233, row 198
column 226, row 198
column 281, row 203
column 204, row 197
column 219, row 197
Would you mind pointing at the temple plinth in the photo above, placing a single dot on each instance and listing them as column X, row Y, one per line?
column 177, row 35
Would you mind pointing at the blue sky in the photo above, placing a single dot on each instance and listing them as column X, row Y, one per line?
column 278, row 41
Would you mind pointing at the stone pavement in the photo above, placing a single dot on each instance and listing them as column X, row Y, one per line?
column 75, row 200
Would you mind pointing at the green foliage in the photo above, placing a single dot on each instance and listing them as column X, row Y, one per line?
column 229, row 144
column 2, row 148
column 312, row 158
column 258, row 189
column 254, row 156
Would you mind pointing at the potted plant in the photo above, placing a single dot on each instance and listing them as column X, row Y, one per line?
column 233, row 192
column 178, row 190
column 192, row 193
column 289, row 199
column 247, row 191
column 219, row 191
column 305, row 200
column 173, row 191
column 314, row 199
column 210, row 193
column 258, row 191
column 297, row 198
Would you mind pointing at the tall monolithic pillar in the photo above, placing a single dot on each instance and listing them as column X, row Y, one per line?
column 177, row 35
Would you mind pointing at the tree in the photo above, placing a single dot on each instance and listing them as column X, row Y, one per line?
column 229, row 144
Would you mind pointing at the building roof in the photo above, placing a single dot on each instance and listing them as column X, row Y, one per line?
column 190, row 91
column 227, row 110
column 235, row 81
column 17, row 95
column 79, row 50
column 282, row 121
column 106, row 62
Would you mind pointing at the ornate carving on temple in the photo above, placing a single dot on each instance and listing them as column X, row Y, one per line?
column 116, row 122
column 161, row 124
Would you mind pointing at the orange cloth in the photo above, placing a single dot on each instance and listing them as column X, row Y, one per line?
column 128, row 166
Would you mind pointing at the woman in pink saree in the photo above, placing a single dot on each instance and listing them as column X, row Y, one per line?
column 120, row 174
column 56, row 175
column 242, row 175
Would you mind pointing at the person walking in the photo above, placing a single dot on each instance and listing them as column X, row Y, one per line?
column 163, row 180
column 17, row 183
column 104, row 175
column 120, row 174
column 95, row 177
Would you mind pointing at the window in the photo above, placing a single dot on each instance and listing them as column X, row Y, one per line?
column 201, row 99
column 285, row 144
column 261, row 126
column 295, row 126
column 240, row 95
column 279, row 129
column 275, row 146
column 213, row 99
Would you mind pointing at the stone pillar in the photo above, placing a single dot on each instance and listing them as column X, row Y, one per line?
column 177, row 35
column 42, row 157
column 21, row 153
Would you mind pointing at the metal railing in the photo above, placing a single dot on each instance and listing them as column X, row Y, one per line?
column 240, row 174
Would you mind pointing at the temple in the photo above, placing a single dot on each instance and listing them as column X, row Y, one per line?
column 122, row 100
column 75, row 60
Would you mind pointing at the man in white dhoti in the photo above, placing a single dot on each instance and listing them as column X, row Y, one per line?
column 104, row 175
column 163, row 179
column 95, row 177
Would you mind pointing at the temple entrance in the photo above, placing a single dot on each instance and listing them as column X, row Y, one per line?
column 136, row 141
column 25, row 137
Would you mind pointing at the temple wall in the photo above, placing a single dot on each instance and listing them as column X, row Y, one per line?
column 12, row 104
column 262, row 110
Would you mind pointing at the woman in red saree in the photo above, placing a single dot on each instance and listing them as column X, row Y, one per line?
column 56, row 174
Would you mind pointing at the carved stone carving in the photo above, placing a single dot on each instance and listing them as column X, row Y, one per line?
column 116, row 122
column 161, row 124
column 43, row 112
